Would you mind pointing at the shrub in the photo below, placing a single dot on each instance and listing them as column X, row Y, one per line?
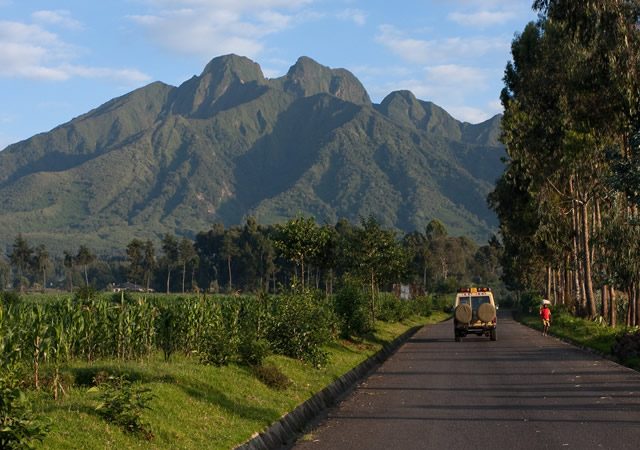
column 299, row 325
column 627, row 346
column 351, row 306
column 122, row 403
column 272, row 376
column 422, row 305
column 392, row 309
column 19, row 426
column 253, row 351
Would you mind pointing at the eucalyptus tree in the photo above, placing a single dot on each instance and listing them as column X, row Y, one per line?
column 569, row 94
column 69, row 266
column 21, row 258
column 84, row 258
column 228, row 251
column 186, row 255
column 135, row 256
column 42, row 261
column 416, row 246
column 148, row 263
column 170, row 257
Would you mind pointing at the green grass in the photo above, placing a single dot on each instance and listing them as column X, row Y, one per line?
column 197, row 406
column 586, row 333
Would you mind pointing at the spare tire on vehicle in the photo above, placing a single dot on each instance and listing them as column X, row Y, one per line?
column 463, row 313
column 486, row 312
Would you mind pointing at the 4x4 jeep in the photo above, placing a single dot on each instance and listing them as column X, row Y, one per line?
column 474, row 313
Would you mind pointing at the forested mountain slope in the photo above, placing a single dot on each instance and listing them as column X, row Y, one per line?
column 230, row 143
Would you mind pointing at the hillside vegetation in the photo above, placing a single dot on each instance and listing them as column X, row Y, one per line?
column 229, row 144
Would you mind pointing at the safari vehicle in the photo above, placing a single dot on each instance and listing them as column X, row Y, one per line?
column 474, row 313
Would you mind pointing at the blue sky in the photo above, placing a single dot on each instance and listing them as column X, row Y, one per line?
column 59, row 59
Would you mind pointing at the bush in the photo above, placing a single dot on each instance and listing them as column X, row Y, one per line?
column 9, row 298
column 299, row 325
column 627, row 346
column 422, row 305
column 19, row 426
column 122, row 403
column 351, row 306
column 253, row 351
column 389, row 308
column 271, row 376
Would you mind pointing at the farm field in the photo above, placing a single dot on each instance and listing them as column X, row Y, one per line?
column 181, row 386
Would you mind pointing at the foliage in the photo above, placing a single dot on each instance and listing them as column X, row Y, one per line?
column 20, row 427
column 627, row 346
column 393, row 309
column 272, row 376
column 314, row 151
column 299, row 326
column 351, row 306
column 123, row 402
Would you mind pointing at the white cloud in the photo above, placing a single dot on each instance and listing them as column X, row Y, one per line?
column 482, row 19
column 59, row 17
column 453, row 75
column 30, row 51
column 211, row 27
column 468, row 113
column 357, row 16
column 437, row 51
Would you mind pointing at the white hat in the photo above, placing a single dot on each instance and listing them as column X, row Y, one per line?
column 546, row 302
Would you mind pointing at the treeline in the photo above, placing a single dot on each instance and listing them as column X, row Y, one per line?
column 264, row 258
column 569, row 199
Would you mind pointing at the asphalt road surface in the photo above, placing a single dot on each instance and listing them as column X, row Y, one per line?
column 524, row 391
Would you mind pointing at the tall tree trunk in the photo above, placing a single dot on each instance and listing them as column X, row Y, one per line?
column 548, row 293
column 630, row 308
column 613, row 309
column 168, row 279
column 604, row 307
column 184, row 274
column 636, row 291
column 575, row 250
column 588, row 282
column 229, row 269
column 373, row 299
column 86, row 277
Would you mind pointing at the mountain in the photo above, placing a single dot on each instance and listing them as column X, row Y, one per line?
column 230, row 143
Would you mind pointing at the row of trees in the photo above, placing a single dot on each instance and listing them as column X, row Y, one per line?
column 255, row 257
column 34, row 265
column 569, row 199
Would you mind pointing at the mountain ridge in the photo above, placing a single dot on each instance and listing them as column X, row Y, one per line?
column 230, row 143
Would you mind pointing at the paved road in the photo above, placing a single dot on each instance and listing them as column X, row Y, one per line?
column 525, row 391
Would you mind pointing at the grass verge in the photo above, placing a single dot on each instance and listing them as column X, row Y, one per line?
column 197, row 406
column 584, row 333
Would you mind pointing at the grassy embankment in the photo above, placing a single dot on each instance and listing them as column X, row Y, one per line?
column 585, row 333
column 198, row 406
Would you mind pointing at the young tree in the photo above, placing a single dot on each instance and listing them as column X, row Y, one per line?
column 300, row 240
column 377, row 256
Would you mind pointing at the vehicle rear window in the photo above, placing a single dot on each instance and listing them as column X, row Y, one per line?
column 463, row 300
column 477, row 301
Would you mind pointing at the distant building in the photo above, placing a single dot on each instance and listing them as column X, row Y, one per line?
column 130, row 287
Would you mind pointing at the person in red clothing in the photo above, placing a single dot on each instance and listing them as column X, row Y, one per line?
column 545, row 315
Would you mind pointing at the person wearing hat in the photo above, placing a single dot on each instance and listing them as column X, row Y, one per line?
column 545, row 316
